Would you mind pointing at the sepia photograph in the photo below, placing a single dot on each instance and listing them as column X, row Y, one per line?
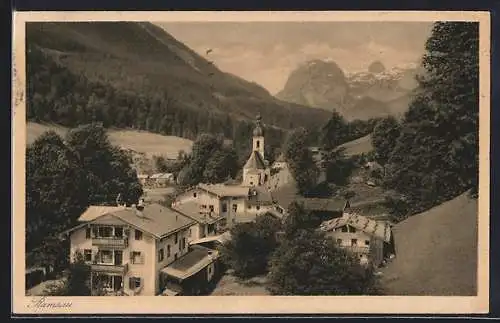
column 336, row 159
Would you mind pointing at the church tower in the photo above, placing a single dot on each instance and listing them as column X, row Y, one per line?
column 258, row 138
column 256, row 171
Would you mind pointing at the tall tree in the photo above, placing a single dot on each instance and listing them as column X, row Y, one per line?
column 300, row 161
column 436, row 155
column 334, row 132
column 384, row 137
column 108, row 169
column 53, row 196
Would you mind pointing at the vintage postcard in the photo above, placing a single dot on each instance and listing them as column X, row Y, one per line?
column 250, row 162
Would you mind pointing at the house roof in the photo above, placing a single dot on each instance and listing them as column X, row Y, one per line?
column 95, row 211
column 255, row 161
column 285, row 195
column 259, row 196
column 154, row 218
column 323, row 204
column 380, row 230
column 192, row 210
column 225, row 190
column 191, row 263
column 222, row 238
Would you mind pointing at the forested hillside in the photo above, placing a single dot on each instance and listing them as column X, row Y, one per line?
column 135, row 75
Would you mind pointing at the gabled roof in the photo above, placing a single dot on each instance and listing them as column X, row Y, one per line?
column 95, row 211
column 380, row 230
column 255, row 161
column 223, row 190
column 191, row 263
column 154, row 218
column 323, row 204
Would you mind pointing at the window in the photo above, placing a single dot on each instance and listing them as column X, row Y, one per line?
column 235, row 207
column 105, row 232
column 258, row 143
column 175, row 256
column 183, row 243
column 106, row 257
column 194, row 194
column 339, row 241
column 251, row 183
column 176, row 238
column 224, row 207
column 87, row 233
column 87, row 255
column 257, row 207
column 134, row 282
column 367, row 242
column 119, row 232
column 354, row 242
column 344, row 228
column 353, row 230
column 138, row 235
column 211, row 208
column 136, row 257
column 190, row 233
column 249, row 207
column 168, row 251
column 160, row 255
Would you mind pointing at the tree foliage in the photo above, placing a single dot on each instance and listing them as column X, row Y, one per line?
column 53, row 198
column 63, row 178
column 107, row 168
column 436, row 156
column 310, row 264
column 78, row 283
column 385, row 135
column 248, row 251
column 210, row 162
column 334, row 132
column 300, row 161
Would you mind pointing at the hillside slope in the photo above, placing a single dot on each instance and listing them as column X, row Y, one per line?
column 436, row 252
column 358, row 146
column 139, row 141
column 134, row 74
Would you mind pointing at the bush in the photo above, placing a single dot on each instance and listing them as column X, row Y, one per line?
column 247, row 253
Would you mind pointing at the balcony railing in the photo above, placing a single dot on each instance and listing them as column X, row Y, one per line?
column 110, row 242
column 115, row 269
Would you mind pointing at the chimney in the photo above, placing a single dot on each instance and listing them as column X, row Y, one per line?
column 140, row 205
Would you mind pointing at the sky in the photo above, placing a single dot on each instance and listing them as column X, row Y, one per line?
column 267, row 52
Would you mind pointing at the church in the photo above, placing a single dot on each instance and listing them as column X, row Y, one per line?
column 223, row 205
column 256, row 171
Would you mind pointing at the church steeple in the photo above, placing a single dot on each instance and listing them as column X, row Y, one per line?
column 258, row 137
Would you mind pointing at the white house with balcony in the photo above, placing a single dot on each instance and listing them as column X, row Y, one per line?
column 128, row 248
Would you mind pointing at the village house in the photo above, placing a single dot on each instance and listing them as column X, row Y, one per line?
column 229, row 204
column 372, row 241
column 131, row 249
